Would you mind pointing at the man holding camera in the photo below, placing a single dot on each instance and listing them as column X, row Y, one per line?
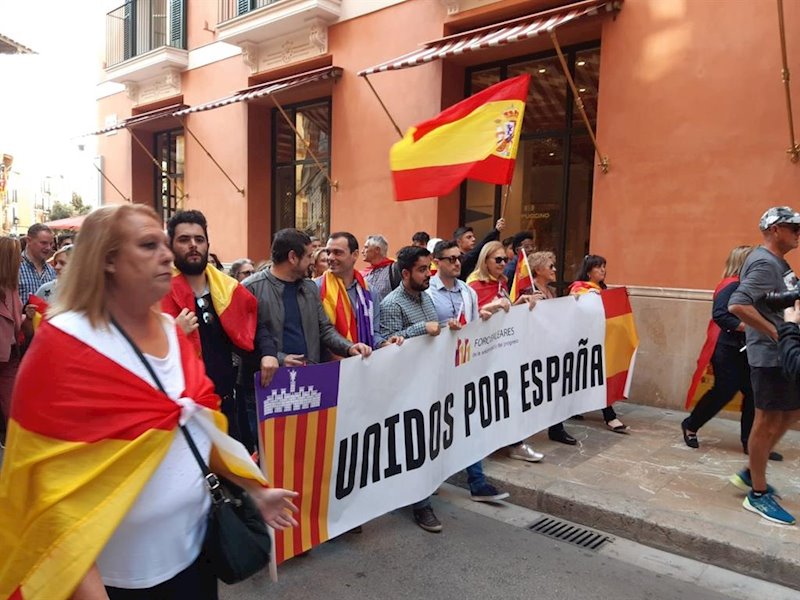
column 777, row 397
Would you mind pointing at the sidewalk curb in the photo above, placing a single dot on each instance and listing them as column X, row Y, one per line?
column 678, row 533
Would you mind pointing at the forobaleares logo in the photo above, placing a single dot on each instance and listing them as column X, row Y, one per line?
column 463, row 351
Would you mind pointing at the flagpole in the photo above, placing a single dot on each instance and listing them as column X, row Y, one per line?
column 504, row 201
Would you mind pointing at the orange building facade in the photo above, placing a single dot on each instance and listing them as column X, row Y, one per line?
column 253, row 111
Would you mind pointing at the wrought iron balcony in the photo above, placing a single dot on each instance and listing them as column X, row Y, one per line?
column 230, row 9
column 139, row 26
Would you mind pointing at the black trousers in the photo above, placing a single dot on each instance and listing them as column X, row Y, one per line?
column 731, row 375
column 195, row 582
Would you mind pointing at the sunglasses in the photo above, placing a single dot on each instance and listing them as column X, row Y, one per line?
column 793, row 227
column 451, row 259
column 552, row 267
column 500, row 260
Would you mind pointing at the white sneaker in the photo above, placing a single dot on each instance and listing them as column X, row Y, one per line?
column 525, row 452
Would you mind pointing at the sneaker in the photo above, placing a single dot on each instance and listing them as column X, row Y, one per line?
column 766, row 506
column 426, row 519
column 525, row 452
column 744, row 482
column 488, row 493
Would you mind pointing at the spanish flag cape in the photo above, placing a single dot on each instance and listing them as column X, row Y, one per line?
column 703, row 378
column 579, row 288
column 234, row 305
column 354, row 323
column 487, row 290
column 81, row 444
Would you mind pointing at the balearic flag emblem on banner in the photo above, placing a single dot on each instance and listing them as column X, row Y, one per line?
column 358, row 438
column 474, row 139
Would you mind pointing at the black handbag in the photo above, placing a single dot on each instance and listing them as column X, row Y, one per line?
column 237, row 542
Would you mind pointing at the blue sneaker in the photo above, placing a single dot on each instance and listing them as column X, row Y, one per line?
column 744, row 482
column 766, row 506
column 487, row 493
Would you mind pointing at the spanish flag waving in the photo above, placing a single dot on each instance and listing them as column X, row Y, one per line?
column 474, row 139
column 522, row 277
column 234, row 305
column 82, row 443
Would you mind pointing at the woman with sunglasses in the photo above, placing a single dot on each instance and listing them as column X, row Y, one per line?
column 543, row 270
column 591, row 279
column 491, row 286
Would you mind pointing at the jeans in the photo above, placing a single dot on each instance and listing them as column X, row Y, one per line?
column 731, row 375
column 475, row 477
column 425, row 503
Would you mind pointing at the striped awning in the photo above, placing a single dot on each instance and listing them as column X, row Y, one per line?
column 267, row 89
column 136, row 120
column 508, row 32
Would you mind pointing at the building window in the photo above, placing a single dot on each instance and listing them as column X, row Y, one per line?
column 300, row 191
column 551, row 193
column 169, row 152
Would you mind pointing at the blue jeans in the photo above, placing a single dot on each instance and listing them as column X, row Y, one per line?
column 475, row 477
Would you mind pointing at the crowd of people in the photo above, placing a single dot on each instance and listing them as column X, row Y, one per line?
column 310, row 304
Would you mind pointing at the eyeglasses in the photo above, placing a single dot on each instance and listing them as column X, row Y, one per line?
column 793, row 227
column 552, row 267
column 500, row 260
column 451, row 259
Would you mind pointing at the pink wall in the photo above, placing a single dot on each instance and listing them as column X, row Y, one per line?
column 692, row 116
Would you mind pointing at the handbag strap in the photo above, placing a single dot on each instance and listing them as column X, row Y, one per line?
column 212, row 481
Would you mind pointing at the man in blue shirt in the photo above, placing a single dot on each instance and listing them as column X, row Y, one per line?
column 456, row 305
column 34, row 270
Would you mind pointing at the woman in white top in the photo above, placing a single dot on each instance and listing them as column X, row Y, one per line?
column 128, row 517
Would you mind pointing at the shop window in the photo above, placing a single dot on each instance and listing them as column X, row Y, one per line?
column 301, row 194
column 169, row 151
column 551, row 193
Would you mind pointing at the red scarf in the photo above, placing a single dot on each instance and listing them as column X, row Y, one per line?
column 370, row 267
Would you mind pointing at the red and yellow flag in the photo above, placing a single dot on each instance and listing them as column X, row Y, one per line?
column 522, row 277
column 474, row 139
column 82, row 443
column 235, row 306
column 621, row 342
column 41, row 309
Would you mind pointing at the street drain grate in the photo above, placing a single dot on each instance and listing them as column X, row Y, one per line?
column 572, row 534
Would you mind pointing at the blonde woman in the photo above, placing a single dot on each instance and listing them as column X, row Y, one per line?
column 724, row 350
column 319, row 264
column 131, row 510
column 48, row 291
column 543, row 270
column 491, row 286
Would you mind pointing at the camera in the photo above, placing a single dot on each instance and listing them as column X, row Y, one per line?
column 781, row 300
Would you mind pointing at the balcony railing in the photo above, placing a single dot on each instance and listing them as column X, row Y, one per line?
column 139, row 26
column 230, row 9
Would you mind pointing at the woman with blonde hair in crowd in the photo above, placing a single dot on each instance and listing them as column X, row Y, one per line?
column 319, row 263
column 543, row 275
column 103, row 494
column 491, row 286
column 48, row 291
column 724, row 350
column 14, row 325
column 591, row 278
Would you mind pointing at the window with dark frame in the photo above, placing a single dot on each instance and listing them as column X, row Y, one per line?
column 169, row 151
column 300, row 190
column 551, row 192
